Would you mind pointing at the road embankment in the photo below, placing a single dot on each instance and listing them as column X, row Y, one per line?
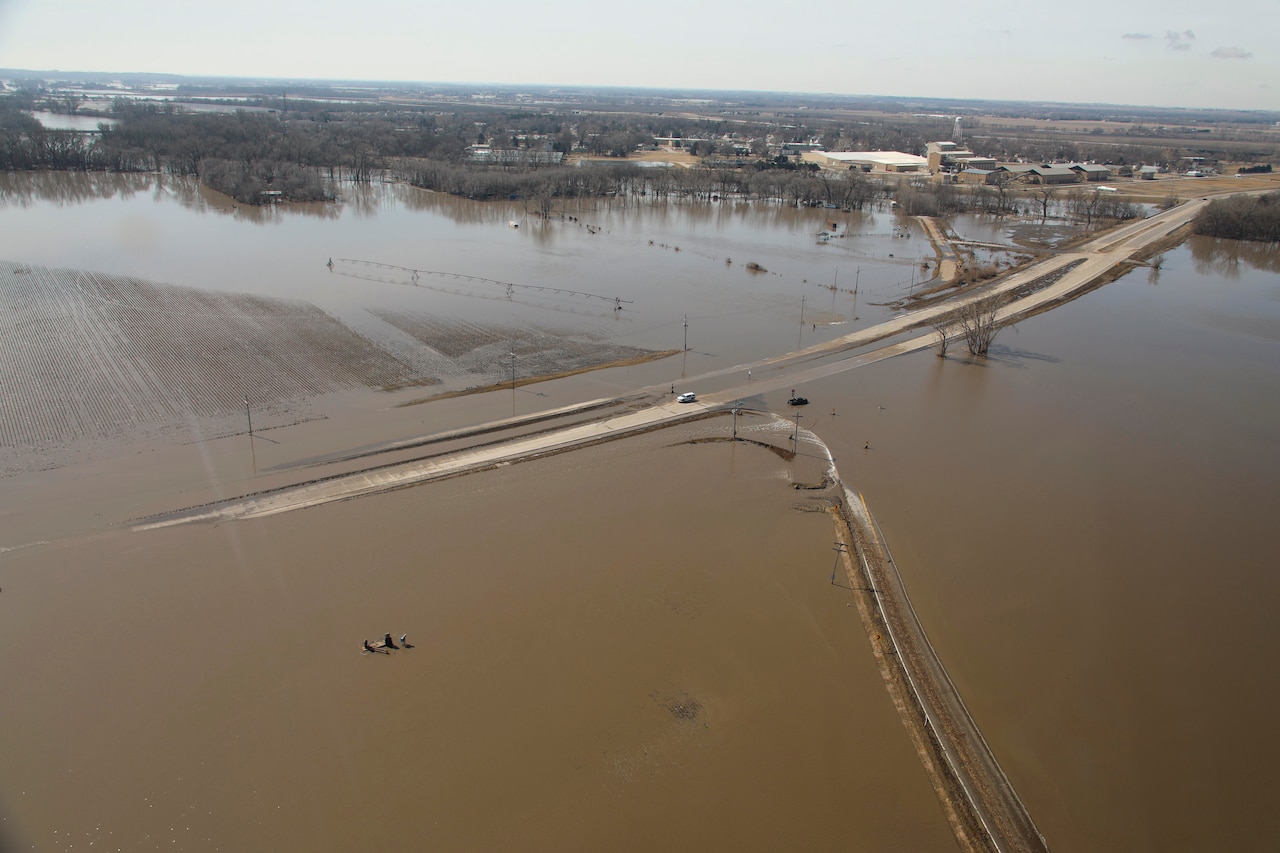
column 980, row 803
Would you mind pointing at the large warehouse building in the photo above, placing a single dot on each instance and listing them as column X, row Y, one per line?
column 881, row 161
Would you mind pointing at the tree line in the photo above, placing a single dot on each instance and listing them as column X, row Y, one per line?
column 1082, row 203
column 295, row 149
column 1242, row 217
column 593, row 179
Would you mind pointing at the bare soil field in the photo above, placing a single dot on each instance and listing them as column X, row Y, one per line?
column 1179, row 186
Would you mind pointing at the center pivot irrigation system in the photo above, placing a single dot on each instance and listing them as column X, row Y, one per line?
column 414, row 276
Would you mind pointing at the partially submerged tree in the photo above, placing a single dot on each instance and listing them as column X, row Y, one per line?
column 1084, row 205
column 1241, row 217
column 946, row 330
column 1044, row 195
column 979, row 322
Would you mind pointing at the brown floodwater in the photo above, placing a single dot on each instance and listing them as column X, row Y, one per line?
column 1084, row 525
column 609, row 651
column 670, row 264
column 1081, row 520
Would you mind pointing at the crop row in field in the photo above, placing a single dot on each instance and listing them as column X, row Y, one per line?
column 85, row 355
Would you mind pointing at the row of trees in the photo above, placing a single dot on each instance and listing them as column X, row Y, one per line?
column 1083, row 203
column 850, row 190
column 1242, row 217
column 256, row 181
column 938, row 199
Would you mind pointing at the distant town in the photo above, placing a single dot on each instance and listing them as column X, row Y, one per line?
column 281, row 141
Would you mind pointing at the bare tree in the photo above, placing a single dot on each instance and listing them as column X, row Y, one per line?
column 1084, row 205
column 1002, row 183
column 946, row 330
column 979, row 322
column 1044, row 195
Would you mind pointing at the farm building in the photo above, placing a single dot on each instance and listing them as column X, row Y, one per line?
column 1051, row 175
column 1091, row 171
column 950, row 157
column 979, row 176
column 881, row 161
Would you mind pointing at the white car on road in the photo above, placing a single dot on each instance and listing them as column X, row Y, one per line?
column 687, row 397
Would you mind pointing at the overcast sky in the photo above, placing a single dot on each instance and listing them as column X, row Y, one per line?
column 1191, row 53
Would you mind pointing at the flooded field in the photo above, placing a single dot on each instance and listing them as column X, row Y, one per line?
column 607, row 652
column 1083, row 525
column 642, row 628
column 392, row 288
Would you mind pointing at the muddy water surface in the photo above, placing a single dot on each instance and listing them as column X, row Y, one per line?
column 1083, row 522
column 609, row 651
column 670, row 263
column 1084, row 525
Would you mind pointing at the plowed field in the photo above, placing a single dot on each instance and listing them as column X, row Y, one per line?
column 87, row 357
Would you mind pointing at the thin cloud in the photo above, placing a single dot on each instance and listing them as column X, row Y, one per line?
column 1179, row 40
column 1231, row 53
column 1137, row 36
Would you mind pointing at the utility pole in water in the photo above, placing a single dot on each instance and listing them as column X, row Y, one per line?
column 839, row 548
column 513, row 383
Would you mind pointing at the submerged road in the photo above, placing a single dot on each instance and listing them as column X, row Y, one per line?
column 981, row 804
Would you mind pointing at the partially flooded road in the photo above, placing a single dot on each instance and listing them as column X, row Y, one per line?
column 1068, row 273
column 981, row 804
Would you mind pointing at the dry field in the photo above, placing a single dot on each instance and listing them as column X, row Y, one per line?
column 1178, row 186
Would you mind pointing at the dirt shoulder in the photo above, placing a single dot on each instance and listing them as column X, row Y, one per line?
column 980, row 803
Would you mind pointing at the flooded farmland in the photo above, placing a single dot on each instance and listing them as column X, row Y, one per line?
column 643, row 628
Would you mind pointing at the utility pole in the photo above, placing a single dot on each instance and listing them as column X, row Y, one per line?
column 795, row 437
column 513, row 383
column 736, row 404
column 839, row 548
column 686, row 332
column 248, row 415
